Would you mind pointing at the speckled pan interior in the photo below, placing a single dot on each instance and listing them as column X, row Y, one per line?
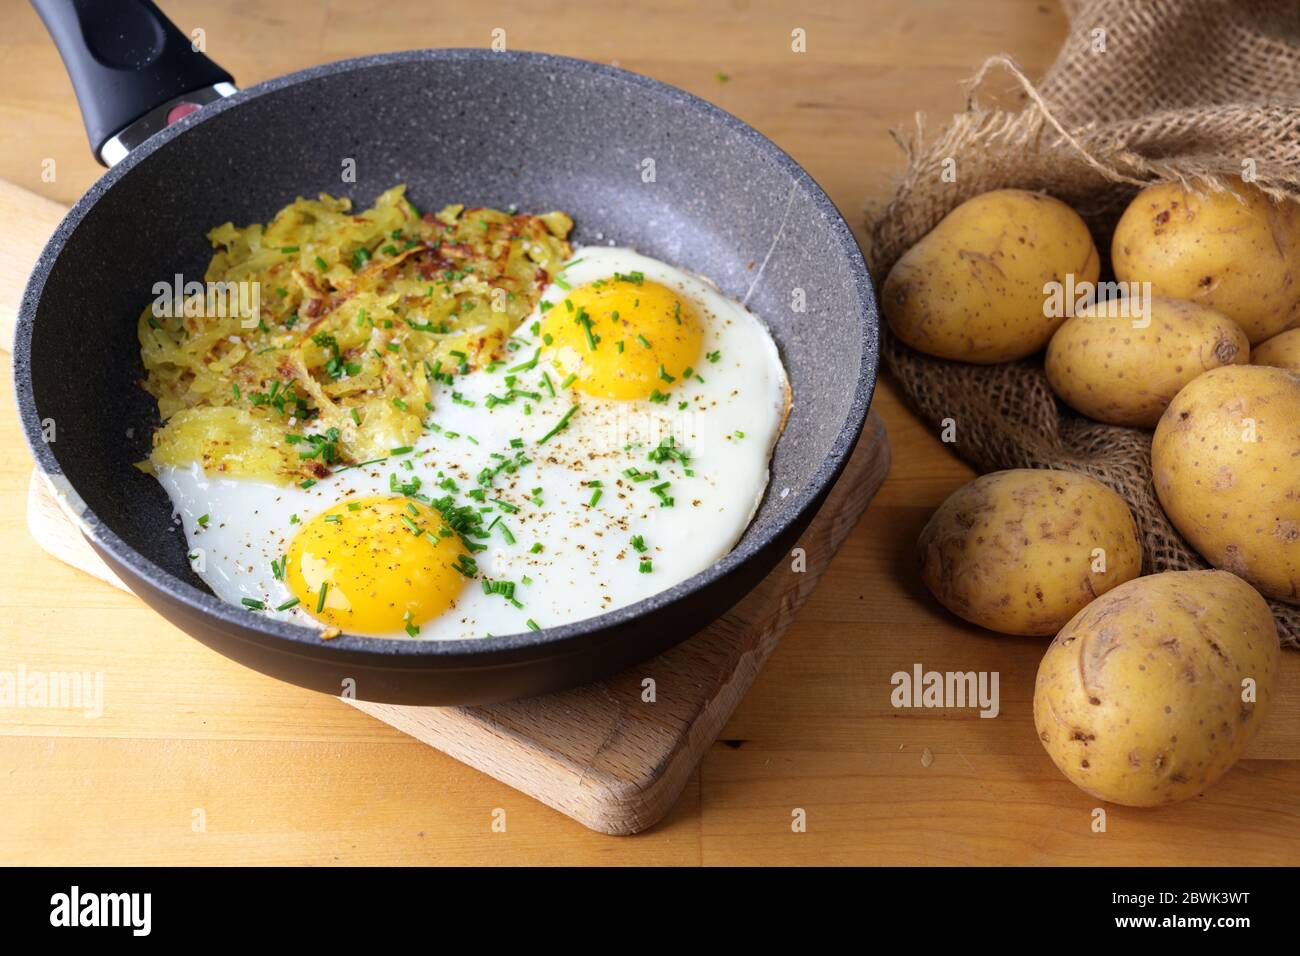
column 537, row 131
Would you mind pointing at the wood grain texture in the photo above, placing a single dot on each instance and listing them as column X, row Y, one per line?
column 281, row 775
column 56, row 532
column 29, row 221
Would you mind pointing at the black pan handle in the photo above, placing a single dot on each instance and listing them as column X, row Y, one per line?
column 132, row 69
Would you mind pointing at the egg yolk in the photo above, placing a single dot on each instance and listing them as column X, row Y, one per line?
column 623, row 338
column 375, row 565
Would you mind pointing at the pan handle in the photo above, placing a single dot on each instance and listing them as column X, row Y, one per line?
column 133, row 71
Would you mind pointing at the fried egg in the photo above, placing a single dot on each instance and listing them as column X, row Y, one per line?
column 620, row 446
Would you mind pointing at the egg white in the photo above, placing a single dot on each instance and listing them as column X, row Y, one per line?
column 587, row 564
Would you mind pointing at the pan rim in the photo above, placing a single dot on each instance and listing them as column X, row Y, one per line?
column 547, row 641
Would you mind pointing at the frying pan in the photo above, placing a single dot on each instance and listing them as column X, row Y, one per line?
column 188, row 151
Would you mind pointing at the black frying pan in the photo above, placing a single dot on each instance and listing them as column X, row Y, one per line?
column 474, row 126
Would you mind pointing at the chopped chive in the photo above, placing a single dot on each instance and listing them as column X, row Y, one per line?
column 569, row 380
column 526, row 366
column 661, row 490
column 320, row 601
column 253, row 605
column 532, row 625
column 560, row 425
column 645, row 343
column 292, row 602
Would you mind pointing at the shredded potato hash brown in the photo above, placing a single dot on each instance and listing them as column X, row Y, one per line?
column 358, row 315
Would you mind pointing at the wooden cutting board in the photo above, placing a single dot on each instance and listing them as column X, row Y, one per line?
column 601, row 753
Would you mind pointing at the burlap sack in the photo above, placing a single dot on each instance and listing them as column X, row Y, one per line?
column 1142, row 91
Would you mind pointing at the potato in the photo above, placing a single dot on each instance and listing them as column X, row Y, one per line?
column 1112, row 371
column 1144, row 698
column 1234, row 250
column 1281, row 351
column 1225, row 459
column 972, row 288
column 1017, row 551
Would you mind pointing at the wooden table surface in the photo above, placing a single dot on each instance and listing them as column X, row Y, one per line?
column 197, row 760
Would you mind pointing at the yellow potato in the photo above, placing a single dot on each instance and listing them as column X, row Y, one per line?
column 1225, row 460
column 1022, row 551
column 1234, row 250
column 1125, row 370
column 1281, row 351
column 1156, row 688
column 973, row 288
